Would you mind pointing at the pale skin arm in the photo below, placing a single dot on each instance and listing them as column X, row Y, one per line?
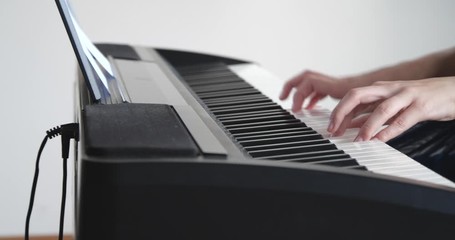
column 361, row 96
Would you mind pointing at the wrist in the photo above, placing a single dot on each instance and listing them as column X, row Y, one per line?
column 347, row 83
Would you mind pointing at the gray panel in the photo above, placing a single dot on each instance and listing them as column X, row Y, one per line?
column 145, row 82
column 145, row 54
column 208, row 143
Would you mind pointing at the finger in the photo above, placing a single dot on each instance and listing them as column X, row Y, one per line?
column 297, row 102
column 385, row 111
column 369, row 108
column 354, row 98
column 359, row 121
column 293, row 82
column 303, row 91
column 403, row 122
column 347, row 121
column 288, row 86
column 314, row 100
column 344, row 125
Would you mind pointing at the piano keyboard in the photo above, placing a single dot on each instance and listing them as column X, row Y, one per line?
column 377, row 156
column 259, row 123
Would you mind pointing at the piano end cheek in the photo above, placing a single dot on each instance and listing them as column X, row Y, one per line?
column 136, row 130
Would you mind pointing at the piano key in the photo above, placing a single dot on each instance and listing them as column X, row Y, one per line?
column 260, row 123
column 267, row 127
column 298, row 155
column 214, row 109
column 316, row 158
column 246, row 109
column 280, row 145
column 218, row 84
column 297, row 149
column 271, row 131
column 237, row 102
column 337, row 156
column 202, row 82
column 255, row 119
column 257, row 96
column 280, row 139
column 268, row 135
column 209, row 76
column 220, row 87
column 270, row 112
column 242, row 92
column 346, row 162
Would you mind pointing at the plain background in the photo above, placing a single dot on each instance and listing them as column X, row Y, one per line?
column 38, row 66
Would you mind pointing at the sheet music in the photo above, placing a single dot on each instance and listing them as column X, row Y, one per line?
column 95, row 57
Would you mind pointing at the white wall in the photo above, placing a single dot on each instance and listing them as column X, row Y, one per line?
column 38, row 66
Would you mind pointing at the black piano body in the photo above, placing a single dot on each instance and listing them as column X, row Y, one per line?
column 142, row 174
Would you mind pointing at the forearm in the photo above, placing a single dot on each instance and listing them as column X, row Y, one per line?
column 438, row 64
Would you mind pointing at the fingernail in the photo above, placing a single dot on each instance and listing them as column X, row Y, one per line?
column 330, row 128
column 358, row 139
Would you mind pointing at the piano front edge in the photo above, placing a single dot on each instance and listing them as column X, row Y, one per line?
column 216, row 199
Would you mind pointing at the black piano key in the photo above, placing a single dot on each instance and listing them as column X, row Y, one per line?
column 219, row 84
column 260, row 123
column 281, row 145
column 246, row 109
column 280, row 139
column 299, row 155
column 267, row 127
column 267, row 135
column 236, row 103
column 200, row 85
column 358, row 167
column 272, row 131
column 231, row 104
column 213, row 78
column 258, row 96
column 216, row 91
column 242, row 92
column 269, row 112
column 287, row 150
column 316, row 159
column 246, row 105
column 220, row 87
column 248, row 123
column 202, row 68
column 347, row 162
column 255, row 119
column 209, row 76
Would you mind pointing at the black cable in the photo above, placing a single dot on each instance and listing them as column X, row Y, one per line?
column 62, row 208
column 67, row 131
column 32, row 194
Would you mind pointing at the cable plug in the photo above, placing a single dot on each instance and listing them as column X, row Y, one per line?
column 68, row 131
